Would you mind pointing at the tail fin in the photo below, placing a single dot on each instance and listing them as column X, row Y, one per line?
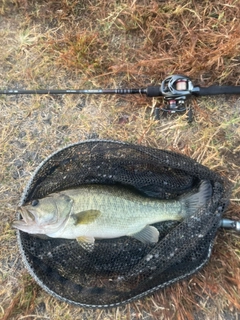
column 192, row 202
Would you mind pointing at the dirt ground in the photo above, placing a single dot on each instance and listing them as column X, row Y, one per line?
column 95, row 44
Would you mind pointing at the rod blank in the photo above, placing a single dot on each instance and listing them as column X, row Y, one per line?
column 73, row 91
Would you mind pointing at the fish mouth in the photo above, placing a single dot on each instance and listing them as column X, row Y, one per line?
column 27, row 215
column 27, row 223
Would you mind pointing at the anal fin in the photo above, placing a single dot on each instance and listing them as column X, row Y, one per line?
column 149, row 234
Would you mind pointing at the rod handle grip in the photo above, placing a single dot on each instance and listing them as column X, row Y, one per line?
column 214, row 90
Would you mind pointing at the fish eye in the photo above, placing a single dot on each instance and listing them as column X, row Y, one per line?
column 35, row 203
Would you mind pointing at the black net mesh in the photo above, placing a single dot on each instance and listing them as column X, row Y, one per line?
column 122, row 269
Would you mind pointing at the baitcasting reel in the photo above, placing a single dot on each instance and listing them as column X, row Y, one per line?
column 175, row 90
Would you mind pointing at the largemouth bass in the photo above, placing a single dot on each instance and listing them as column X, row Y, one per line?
column 103, row 212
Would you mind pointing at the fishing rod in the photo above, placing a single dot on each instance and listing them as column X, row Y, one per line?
column 174, row 89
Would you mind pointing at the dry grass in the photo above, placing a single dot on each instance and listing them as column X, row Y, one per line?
column 87, row 44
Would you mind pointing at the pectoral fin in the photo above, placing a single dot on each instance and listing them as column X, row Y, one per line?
column 87, row 243
column 86, row 217
column 149, row 234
